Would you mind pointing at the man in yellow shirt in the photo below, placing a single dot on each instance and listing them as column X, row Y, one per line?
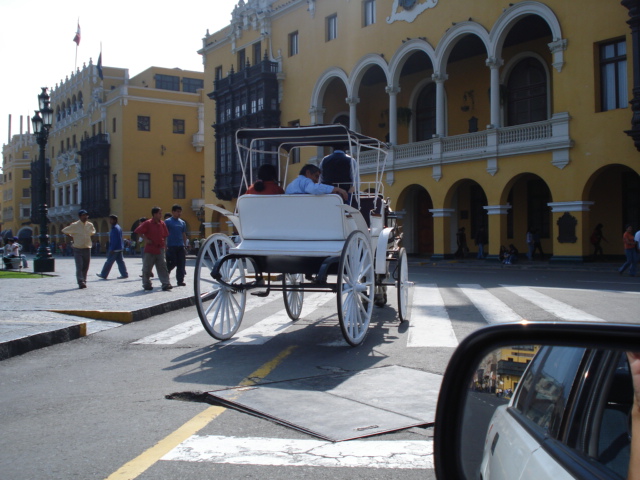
column 81, row 232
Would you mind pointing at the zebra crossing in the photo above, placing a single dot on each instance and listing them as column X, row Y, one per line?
column 430, row 325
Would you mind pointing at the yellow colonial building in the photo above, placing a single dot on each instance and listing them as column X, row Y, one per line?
column 123, row 145
column 15, row 186
column 510, row 117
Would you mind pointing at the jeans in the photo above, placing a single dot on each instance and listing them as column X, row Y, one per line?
column 111, row 258
column 631, row 262
column 149, row 260
column 82, row 257
column 480, row 250
column 177, row 258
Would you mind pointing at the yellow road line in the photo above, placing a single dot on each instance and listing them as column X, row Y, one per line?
column 145, row 460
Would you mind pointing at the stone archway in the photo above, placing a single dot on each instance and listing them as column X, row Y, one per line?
column 417, row 223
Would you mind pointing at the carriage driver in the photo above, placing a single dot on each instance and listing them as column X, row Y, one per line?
column 339, row 169
column 307, row 182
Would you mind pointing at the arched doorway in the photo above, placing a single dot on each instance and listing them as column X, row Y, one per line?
column 417, row 223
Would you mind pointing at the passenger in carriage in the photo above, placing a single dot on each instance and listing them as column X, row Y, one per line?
column 307, row 182
column 267, row 183
column 339, row 170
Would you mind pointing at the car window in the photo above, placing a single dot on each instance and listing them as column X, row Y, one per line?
column 547, row 385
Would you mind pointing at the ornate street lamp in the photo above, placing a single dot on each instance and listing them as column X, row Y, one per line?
column 42, row 121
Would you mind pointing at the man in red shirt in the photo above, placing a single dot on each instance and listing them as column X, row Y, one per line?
column 629, row 243
column 155, row 233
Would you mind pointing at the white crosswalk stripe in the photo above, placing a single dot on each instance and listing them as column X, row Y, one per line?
column 553, row 306
column 490, row 307
column 309, row 453
column 430, row 325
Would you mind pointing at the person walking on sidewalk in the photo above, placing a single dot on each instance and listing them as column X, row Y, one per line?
column 81, row 232
column 116, row 249
column 177, row 244
column 629, row 243
column 155, row 233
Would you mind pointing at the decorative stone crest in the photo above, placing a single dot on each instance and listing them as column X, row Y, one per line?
column 410, row 9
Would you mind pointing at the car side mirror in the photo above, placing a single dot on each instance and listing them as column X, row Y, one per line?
column 590, row 357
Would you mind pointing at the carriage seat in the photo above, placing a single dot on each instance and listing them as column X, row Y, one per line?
column 306, row 225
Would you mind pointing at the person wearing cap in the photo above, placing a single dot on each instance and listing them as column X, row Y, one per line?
column 155, row 233
column 81, row 232
column 177, row 244
column 116, row 247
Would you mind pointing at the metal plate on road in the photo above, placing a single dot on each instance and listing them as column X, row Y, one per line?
column 343, row 406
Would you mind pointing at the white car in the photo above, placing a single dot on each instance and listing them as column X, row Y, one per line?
column 568, row 418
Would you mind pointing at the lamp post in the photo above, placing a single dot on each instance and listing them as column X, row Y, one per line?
column 42, row 121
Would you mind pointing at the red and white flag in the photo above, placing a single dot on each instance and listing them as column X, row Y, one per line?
column 77, row 37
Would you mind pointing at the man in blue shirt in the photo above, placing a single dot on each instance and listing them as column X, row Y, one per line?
column 176, row 244
column 116, row 246
column 307, row 182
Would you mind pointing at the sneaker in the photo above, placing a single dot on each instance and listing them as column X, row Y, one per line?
column 167, row 287
column 182, row 284
column 99, row 275
column 148, row 288
column 122, row 277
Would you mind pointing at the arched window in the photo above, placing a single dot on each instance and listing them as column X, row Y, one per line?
column 80, row 100
column 426, row 113
column 527, row 93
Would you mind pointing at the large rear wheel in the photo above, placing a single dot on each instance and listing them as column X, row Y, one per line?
column 219, row 306
column 356, row 288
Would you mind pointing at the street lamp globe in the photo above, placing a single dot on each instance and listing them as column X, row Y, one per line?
column 36, row 121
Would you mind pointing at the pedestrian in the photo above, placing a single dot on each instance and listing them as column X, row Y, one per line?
column 531, row 244
column 480, row 240
column 630, row 247
column 537, row 245
column 81, row 232
column 177, row 244
column 196, row 245
column 154, row 232
column 596, row 239
column 461, row 240
column 512, row 255
column 114, row 251
column 12, row 249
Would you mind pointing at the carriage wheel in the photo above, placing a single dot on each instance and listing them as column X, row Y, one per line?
column 292, row 298
column 403, row 285
column 220, row 308
column 356, row 287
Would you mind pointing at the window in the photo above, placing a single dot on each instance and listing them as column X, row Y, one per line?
column 219, row 72
column 242, row 59
column 168, row 82
column 113, row 125
column 114, row 184
column 26, row 192
column 547, row 385
column 26, row 174
column 178, row 186
column 178, row 126
column 426, row 113
column 613, row 75
column 191, row 85
column 201, row 186
column 369, row 16
column 332, row 27
column 527, row 93
column 257, row 52
column 144, row 123
column 26, row 212
column 293, row 44
column 144, row 185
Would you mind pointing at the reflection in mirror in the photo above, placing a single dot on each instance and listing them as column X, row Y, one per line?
column 550, row 412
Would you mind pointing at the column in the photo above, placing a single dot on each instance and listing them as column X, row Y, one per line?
column 440, row 78
column 494, row 64
column 353, row 112
column 442, row 223
column 571, row 232
column 497, row 216
column 393, row 91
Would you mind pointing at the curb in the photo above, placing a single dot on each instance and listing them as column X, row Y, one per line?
column 26, row 344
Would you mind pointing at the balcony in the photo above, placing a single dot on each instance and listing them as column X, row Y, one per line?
column 546, row 136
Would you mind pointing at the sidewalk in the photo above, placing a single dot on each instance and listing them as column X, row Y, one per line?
column 39, row 312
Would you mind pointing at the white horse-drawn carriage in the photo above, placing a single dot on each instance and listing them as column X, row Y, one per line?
column 298, row 243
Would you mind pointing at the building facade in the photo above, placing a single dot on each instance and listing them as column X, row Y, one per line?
column 123, row 145
column 15, row 186
column 507, row 117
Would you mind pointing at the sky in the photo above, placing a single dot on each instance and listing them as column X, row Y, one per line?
column 37, row 48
